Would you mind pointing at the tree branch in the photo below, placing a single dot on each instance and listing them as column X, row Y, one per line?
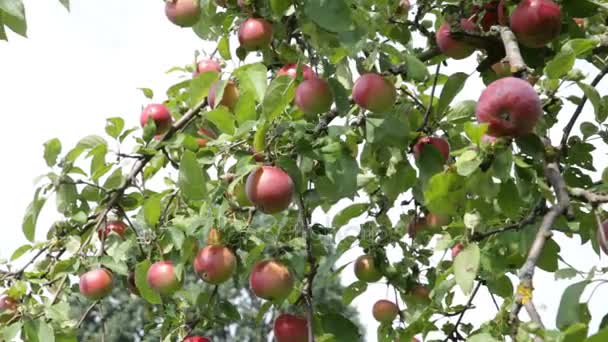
column 466, row 307
column 538, row 210
column 588, row 196
column 429, row 110
column 312, row 262
column 512, row 51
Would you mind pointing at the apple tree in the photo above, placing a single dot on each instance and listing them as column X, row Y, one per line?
column 343, row 105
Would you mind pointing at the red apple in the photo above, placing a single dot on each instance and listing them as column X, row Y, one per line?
column 510, row 106
column 456, row 249
column 270, row 189
column 314, row 96
column 207, row 135
column 215, row 264
column 162, row 278
column 451, row 47
column 255, row 34
column 602, row 243
column 420, row 291
column 117, row 227
column 366, row 269
column 385, row 311
column 439, row 143
column 96, row 284
column 184, row 13
column 290, row 328
column 229, row 98
column 436, row 221
column 161, row 116
column 536, row 22
column 196, row 339
column 374, row 93
column 489, row 14
column 206, row 65
column 7, row 304
column 271, row 280
column 292, row 71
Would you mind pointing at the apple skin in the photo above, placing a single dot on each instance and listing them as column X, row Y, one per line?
column 314, row 96
column 536, row 22
column 366, row 269
column 96, row 284
column 206, row 65
column 160, row 114
column 184, row 13
column 456, row 249
column 599, row 237
column 291, row 70
column 207, row 134
column 514, row 99
column 229, row 98
column 270, row 189
column 117, row 227
column 7, row 304
column 420, row 291
column 290, row 328
column 436, row 220
column 452, row 47
column 441, row 144
column 215, row 264
column 255, row 34
column 491, row 12
column 196, row 339
column 162, row 278
column 271, row 280
column 374, row 93
column 385, row 311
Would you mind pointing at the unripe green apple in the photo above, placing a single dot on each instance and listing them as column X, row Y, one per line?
column 366, row 270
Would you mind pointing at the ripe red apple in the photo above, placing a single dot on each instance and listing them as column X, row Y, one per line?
column 314, row 96
column 366, row 269
column 420, row 291
column 270, row 189
column 456, row 249
column 385, row 311
column 184, row 13
column 215, row 264
column 206, row 65
column 207, row 135
column 451, row 47
column 117, row 227
column 536, row 22
column 436, row 221
column 602, row 243
column 510, row 106
column 196, row 339
column 489, row 14
column 229, row 98
column 7, row 304
column 271, row 280
column 290, row 328
column 161, row 116
column 374, row 93
column 96, row 284
column 439, row 143
column 162, row 278
column 291, row 70
column 255, row 34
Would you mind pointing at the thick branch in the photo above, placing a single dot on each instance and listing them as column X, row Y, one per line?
column 588, row 196
column 512, row 50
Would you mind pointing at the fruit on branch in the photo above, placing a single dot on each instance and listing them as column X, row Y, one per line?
column 96, row 284
column 207, row 135
column 290, row 328
column 255, row 34
column 158, row 113
column 184, row 13
column 603, row 243
column 270, row 189
column 117, row 227
column 536, row 22
column 436, row 221
column 420, row 291
column 162, row 278
column 403, row 8
column 366, row 269
column 385, row 311
column 271, row 280
column 131, row 283
column 580, row 22
column 510, row 106
column 374, row 93
column 215, row 264
column 456, row 249
column 489, row 14
column 206, row 65
column 314, row 96
column 502, row 69
column 229, row 97
column 7, row 304
column 196, row 339
column 442, row 146
column 291, row 70
column 452, row 47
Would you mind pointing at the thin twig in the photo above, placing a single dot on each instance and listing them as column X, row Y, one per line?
column 86, row 313
column 467, row 306
column 538, row 210
column 429, row 110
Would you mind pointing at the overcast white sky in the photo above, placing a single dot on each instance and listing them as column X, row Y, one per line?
column 77, row 69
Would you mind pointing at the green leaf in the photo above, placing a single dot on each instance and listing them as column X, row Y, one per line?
column 148, row 93
column 352, row 291
column 575, row 333
column 600, row 336
column 568, row 312
column 200, row 85
column 595, row 99
column 66, row 197
column 10, row 333
column 468, row 163
column 279, row 7
column 565, row 273
column 475, row 131
column 65, row 3
column 278, row 96
column 141, row 282
column 115, row 180
column 339, row 326
column 223, row 47
column 588, row 129
column 323, row 13
column 31, row 215
column 114, row 126
column 509, row 199
column 563, row 62
column 466, row 266
column 245, row 108
column 445, row 193
column 416, row 70
column 52, row 149
column 549, row 256
column 152, row 211
column 223, row 119
column 483, row 337
column 13, row 7
column 464, row 110
column 349, row 213
column 191, row 178
column 452, row 87
column 20, row 251
column 252, row 80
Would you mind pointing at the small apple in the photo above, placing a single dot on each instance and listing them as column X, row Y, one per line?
column 385, row 311
column 271, row 280
column 451, row 47
column 374, row 93
column 206, row 65
column 536, row 22
column 161, row 116
column 290, row 328
column 440, row 144
column 7, row 304
column 215, row 264
column 436, row 221
column 291, row 70
column 603, row 244
column 456, row 249
column 184, row 13
column 229, row 98
column 207, row 135
column 366, row 269
column 196, row 339
column 96, row 284
column 255, row 34
column 314, row 96
column 117, row 227
column 162, row 278
column 420, row 291
column 510, row 106
column 270, row 189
